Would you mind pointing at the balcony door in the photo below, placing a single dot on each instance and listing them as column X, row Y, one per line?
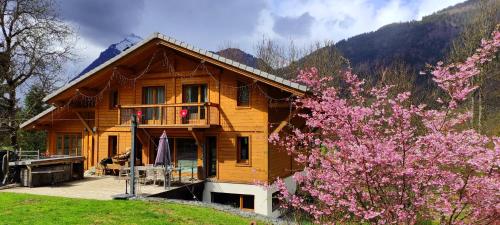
column 153, row 96
column 194, row 93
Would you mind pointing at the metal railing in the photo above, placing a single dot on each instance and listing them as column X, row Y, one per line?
column 23, row 154
column 171, row 114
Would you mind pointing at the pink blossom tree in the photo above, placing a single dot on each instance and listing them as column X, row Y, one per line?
column 369, row 157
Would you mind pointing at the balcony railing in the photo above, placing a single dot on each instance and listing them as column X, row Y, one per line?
column 173, row 115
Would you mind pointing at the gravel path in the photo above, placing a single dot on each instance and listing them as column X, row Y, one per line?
column 220, row 207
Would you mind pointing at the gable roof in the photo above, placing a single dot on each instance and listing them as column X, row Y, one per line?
column 186, row 46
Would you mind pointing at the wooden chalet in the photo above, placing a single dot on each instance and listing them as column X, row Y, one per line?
column 217, row 113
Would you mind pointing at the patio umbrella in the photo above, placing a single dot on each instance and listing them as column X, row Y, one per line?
column 163, row 157
column 163, row 152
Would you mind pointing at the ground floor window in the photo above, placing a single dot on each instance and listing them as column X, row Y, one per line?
column 245, row 202
column 69, row 144
column 112, row 145
column 275, row 201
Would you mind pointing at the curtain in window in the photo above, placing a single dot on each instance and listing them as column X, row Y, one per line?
column 195, row 94
column 153, row 95
column 148, row 99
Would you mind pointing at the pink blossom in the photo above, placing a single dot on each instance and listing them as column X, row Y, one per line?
column 372, row 158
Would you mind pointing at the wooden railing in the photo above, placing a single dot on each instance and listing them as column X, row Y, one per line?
column 180, row 115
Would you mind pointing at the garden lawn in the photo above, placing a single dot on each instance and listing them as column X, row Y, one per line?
column 36, row 209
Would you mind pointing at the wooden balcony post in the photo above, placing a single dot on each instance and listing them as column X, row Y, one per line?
column 207, row 109
column 119, row 115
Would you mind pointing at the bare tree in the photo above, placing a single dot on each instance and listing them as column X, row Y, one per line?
column 274, row 57
column 34, row 43
column 285, row 60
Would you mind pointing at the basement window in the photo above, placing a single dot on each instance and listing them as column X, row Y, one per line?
column 247, row 202
column 275, row 201
column 244, row 202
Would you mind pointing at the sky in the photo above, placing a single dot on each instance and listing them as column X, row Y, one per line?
column 213, row 24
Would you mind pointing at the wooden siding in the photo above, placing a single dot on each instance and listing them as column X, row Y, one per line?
column 265, row 164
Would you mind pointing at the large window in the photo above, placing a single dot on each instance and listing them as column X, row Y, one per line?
column 195, row 93
column 153, row 95
column 69, row 144
column 243, row 150
column 243, row 94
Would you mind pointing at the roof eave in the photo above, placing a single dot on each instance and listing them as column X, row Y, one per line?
column 100, row 67
column 35, row 118
column 301, row 88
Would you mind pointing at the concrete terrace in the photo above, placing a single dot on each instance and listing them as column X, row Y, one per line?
column 91, row 187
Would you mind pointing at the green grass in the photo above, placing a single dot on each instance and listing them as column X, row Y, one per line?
column 35, row 209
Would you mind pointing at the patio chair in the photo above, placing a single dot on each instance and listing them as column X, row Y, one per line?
column 151, row 175
column 100, row 170
column 123, row 173
column 160, row 177
column 140, row 180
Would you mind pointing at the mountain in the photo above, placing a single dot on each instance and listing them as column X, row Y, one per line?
column 239, row 56
column 416, row 42
column 112, row 51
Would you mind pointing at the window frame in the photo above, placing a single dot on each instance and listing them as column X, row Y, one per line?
column 112, row 103
column 116, row 145
column 202, row 88
column 155, row 94
column 239, row 161
column 275, row 201
column 74, row 139
column 243, row 202
column 215, row 167
column 238, row 90
column 155, row 113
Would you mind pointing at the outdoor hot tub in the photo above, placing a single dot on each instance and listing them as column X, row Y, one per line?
column 49, row 171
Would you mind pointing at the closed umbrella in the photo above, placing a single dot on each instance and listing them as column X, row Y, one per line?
column 163, row 156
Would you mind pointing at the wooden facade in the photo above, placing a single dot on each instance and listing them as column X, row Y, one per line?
column 214, row 117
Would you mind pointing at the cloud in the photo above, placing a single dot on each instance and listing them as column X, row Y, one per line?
column 427, row 7
column 208, row 24
column 338, row 19
column 293, row 26
column 102, row 22
column 204, row 23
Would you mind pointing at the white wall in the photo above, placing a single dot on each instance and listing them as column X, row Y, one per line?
column 262, row 195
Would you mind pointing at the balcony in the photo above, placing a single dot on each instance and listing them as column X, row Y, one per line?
column 198, row 115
